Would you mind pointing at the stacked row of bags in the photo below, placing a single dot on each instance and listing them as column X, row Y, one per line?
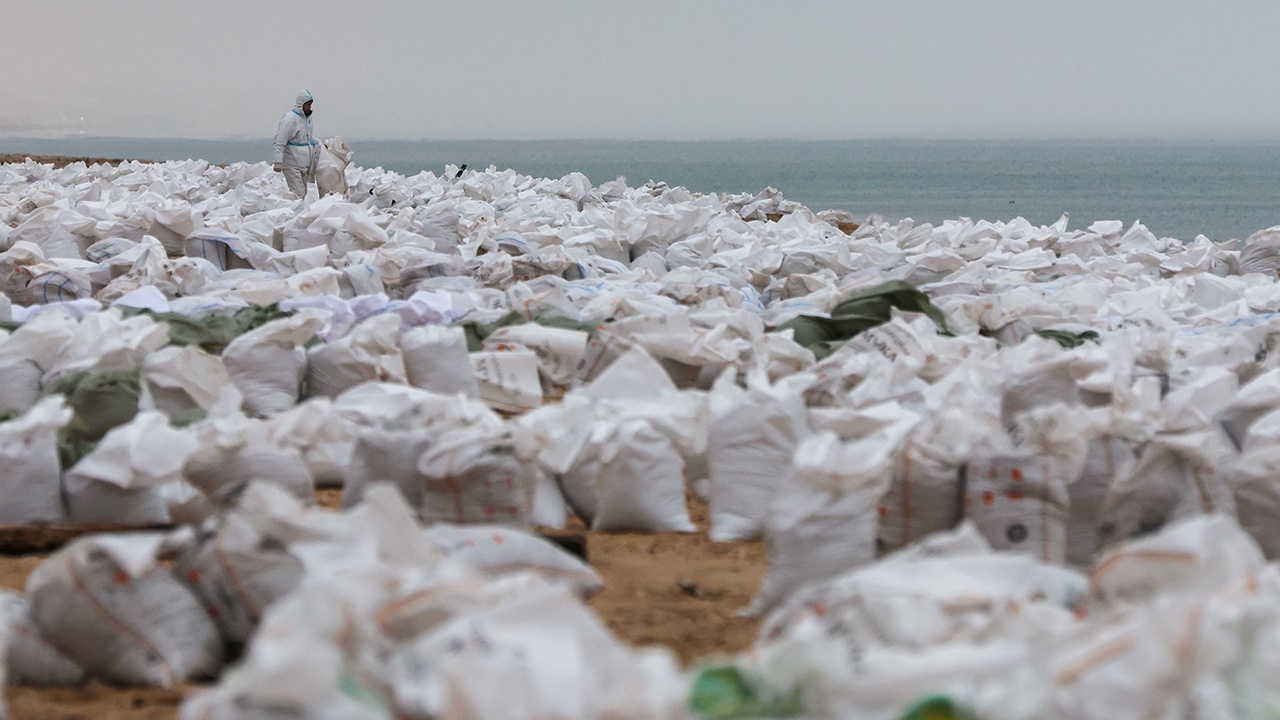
column 1075, row 425
column 190, row 229
column 193, row 230
column 133, row 416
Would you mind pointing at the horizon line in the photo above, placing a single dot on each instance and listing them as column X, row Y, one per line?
column 1120, row 138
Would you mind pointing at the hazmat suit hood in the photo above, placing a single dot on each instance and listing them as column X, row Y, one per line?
column 303, row 98
column 294, row 147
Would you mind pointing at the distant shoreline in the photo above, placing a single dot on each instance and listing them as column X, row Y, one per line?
column 59, row 161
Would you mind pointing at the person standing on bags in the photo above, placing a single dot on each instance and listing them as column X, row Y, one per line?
column 296, row 150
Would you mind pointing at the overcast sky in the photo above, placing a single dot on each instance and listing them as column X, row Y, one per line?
column 656, row 69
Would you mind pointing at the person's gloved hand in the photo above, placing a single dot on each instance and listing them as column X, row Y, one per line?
column 278, row 167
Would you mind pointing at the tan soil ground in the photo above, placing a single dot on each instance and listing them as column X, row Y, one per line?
column 678, row 590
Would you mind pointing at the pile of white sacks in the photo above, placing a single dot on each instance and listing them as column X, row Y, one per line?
column 1148, row 456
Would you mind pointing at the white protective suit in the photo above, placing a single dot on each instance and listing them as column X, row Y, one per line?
column 296, row 150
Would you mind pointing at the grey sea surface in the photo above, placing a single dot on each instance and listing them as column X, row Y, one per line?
column 1223, row 190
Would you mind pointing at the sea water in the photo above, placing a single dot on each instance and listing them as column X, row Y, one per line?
column 1223, row 190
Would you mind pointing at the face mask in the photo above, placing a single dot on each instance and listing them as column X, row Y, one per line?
column 307, row 113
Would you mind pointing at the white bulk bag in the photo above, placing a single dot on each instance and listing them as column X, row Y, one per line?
column 58, row 285
column 630, row 478
column 104, row 250
column 173, row 224
column 45, row 339
column 750, row 446
column 824, row 522
column 441, row 223
column 121, row 479
column 435, row 359
column 369, row 230
column 311, row 283
column 919, row 602
column 267, row 364
column 103, row 602
column 1049, row 377
column 1255, row 479
column 1259, row 398
column 295, row 667
column 386, row 454
column 30, row 483
column 106, row 341
column 1142, row 663
column 236, row 571
column 633, row 375
column 603, row 350
column 1175, row 478
column 370, row 352
column 1019, row 502
column 235, row 451
column 22, row 375
column 1107, row 457
column 508, row 380
column 810, row 537
column 393, row 425
column 56, row 230
column 556, row 434
column 31, row 660
column 222, row 472
column 360, row 279
column 475, row 477
column 494, row 550
column 553, row 657
column 924, row 496
column 178, row 380
column 559, row 350
column 1261, row 252
column 335, row 155
column 549, row 509
column 258, row 551
column 671, row 338
column 1196, row 557
column 320, row 434
column 226, row 251
column 780, row 356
